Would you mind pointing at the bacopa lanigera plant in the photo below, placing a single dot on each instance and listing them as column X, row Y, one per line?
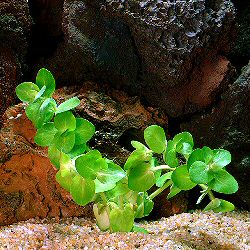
column 121, row 194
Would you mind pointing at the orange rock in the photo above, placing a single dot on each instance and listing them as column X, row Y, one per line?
column 27, row 185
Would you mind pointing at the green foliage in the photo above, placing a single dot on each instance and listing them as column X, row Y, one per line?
column 181, row 178
column 68, row 105
column 45, row 78
column 65, row 121
column 121, row 219
column 121, row 194
column 45, row 135
column 27, row 91
column 84, row 131
column 155, row 138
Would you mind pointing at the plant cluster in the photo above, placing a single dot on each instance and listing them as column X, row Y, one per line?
column 121, row 194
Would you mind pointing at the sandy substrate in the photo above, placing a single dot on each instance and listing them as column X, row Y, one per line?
column 184, row 231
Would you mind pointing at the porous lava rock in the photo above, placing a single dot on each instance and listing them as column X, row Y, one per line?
column 163, row 51
column 15, row 24
column 27, row 183
column 226, row 125
column 240, row 54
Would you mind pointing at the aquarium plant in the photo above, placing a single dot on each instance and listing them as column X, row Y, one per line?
column 121, row 194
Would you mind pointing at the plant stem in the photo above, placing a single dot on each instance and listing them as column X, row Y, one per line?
column 120, row 202
column 159, row 190
column 163, row 167
column 209, row 192
column 104, row 199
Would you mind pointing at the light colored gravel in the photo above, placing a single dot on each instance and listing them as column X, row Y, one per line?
column 196, row 230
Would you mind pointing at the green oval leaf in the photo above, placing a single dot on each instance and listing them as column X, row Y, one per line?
column 213, row 204
column 221, row 158
column 106, row 178
column 27, row 91
column 65, row 121
column 170, row 155
column 200, row 173
column 155, row 138
column 82, row 190
column 184, row 143
column 223, row 182
column 84, row 131
column 66, row 173
column 138, row 157
column 225, row 206
column 45, row 135
column 139, row 146
column 89, row 164
column 122, row 220
column 183, row 137
column 45, row 78
column 181, row 178
column 141, row 178
column 205, row 155
column 64, row 141
column 68, row 105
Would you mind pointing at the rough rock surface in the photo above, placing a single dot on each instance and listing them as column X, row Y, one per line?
column 47, row 29
column 15, row 24
column 118, row 118
column 161, row 50
column 240, row 55
column 27, row 184
column 227, row 126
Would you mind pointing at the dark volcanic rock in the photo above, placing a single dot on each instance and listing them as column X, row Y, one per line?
column 15, row 23
column 227, row 126
column 47, row 28
column 160, row 50
column 241, row 53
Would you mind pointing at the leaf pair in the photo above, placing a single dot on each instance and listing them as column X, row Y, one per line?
column 45, row 87
column 139, row 167
column 103, row 172
column 41, row 111
column 182, row 144
column 67, row 134
column 117, row 220
column 207, row 166
column 219, row 205
column 81, row 189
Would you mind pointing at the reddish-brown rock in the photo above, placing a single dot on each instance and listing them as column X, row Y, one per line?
column 27, row 184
